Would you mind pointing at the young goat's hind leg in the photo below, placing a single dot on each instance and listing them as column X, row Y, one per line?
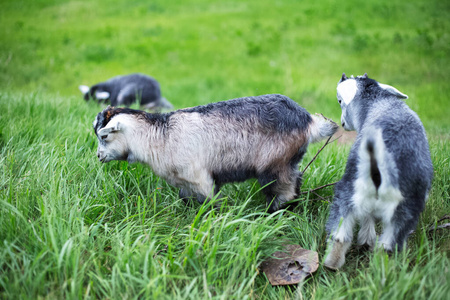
column 395, row 232
column 341, row 238
column 367, row 235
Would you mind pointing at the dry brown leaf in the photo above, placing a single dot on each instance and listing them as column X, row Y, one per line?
column 290, row 266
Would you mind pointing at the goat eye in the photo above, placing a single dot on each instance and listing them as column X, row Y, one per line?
column 103, row 137
column 339, row 100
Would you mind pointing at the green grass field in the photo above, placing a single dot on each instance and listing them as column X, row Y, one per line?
column 73, row 228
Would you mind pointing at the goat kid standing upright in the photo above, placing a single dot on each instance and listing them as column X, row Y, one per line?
column 388, row 173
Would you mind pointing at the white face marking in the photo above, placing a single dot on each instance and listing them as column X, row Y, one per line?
column 84, row 89
column 113, row 139
column 347, row 90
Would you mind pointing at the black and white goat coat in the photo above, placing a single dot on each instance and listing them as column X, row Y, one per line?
column 388, row 173
column 201, row 148
column 126, row 90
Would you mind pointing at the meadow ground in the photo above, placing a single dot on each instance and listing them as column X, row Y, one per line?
column 73, row 228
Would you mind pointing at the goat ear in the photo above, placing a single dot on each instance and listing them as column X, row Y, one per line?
column 343, row 78
column 393, row 91
column 107, row 130
column 101, row 95
column 117, row 127
column 83, row 88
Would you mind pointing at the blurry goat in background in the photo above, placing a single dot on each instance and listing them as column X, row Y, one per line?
column 126, row 90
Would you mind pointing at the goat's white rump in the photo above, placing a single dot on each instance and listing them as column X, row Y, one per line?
column 201, row 148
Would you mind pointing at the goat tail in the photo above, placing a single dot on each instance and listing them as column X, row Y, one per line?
column 374, row 170
column 377, row 163
column 321, row 128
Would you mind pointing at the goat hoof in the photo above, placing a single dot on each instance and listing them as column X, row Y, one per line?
column 331, row 265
